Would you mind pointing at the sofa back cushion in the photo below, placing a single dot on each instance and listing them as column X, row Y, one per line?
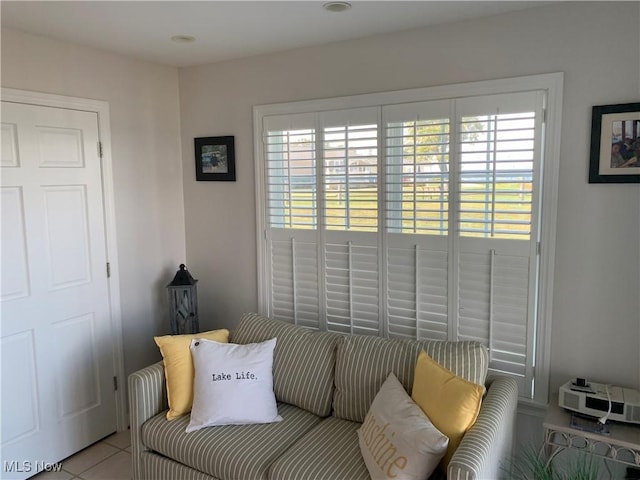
column 363, row 363
column 303, row 361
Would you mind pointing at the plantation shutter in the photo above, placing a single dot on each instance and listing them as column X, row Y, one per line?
column 416, row 220
column 416, row 160
column 499, row 163
column 289, row 143
column 350, row 220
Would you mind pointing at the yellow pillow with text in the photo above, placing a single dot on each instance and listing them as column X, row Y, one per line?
column 451, row 402
column 178, row 368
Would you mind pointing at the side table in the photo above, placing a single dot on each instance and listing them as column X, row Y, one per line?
column 621, row 445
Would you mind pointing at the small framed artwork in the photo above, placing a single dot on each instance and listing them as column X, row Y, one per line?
column 615, row 144
column 215, row 159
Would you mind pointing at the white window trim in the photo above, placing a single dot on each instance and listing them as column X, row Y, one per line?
column 552, row 83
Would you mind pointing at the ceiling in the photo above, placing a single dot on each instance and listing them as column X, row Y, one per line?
column 231, row 29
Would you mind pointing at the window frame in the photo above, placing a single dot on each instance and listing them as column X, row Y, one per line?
column 551, row 83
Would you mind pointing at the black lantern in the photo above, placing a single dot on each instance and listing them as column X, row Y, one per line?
column 183, row 302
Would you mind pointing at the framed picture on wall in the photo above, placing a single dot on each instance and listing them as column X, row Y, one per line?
column 615, row 144
column 215, row 159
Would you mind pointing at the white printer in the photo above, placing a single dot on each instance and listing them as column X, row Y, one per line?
column 607, row 402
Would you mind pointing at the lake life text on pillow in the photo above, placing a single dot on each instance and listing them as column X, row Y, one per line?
column 220, row 377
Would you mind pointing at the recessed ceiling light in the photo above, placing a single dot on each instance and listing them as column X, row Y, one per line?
column 337, row 6
column 183, row 39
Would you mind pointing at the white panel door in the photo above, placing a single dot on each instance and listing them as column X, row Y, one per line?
column 56, row 341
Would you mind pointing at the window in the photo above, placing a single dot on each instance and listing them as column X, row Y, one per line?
column 416, row 214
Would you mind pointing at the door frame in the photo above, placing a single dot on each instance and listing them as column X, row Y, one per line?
column 101, row 108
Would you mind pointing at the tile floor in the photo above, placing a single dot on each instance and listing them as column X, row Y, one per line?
column 109, row 459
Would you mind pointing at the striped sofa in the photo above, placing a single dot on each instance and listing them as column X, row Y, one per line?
column 324, row 384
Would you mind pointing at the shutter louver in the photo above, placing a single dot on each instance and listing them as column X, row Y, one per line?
column 291, row 173
column 294, row 279
column 292, row 217
column 417, row 168
column 497, row 152
column 416, row 163
column 350, row 162
column 499, row 163
column 417, row 292
column 352, row 290
column 493, row 309
column 350, row 189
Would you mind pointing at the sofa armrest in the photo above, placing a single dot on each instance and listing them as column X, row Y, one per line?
column 147, row 398
column 485, row 450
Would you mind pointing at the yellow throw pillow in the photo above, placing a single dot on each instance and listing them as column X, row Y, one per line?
column 451, row 402
column 178, row 368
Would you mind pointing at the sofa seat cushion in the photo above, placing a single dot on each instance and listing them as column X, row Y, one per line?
column 330, row 451
column 229, row 452
column 363, row 363
column 303, row 360
column 158, row 467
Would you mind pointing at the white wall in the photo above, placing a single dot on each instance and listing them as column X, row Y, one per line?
column 596, row 311
column 145, row 125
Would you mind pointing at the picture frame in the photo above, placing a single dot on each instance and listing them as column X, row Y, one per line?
column 615, row 144
column 215, row 159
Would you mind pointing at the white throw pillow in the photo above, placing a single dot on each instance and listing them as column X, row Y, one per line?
column 397, row 439
column 233, row 384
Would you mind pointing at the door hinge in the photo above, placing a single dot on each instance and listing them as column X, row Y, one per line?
column 538, row 248
column 100, row 149
column 115, row 383
column 108, row 270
